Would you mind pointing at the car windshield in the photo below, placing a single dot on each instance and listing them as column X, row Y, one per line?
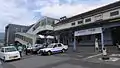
column 38, row 45
column 11, row 49
column 50, row 46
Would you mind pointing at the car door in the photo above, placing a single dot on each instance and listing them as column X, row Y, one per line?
column 2, row 53
column 59, row 47
column 55, row 49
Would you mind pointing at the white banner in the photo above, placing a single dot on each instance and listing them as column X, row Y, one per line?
column 88, row 31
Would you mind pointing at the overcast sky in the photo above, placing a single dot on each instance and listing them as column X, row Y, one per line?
column 26, row 12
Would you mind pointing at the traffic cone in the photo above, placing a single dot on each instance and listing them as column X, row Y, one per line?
column 105, row 56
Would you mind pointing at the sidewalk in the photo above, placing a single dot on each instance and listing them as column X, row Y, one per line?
column 114, row 59
column 88, row 54
column 81, row 53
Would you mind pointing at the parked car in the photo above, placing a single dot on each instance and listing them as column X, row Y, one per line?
column 29, row 49
column 53, row 48
column 9, row 53
column 33, row 49
column 37, row 47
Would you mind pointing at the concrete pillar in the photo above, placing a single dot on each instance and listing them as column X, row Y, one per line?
column 68, row 39
column 74, row 45
column 102, row 40
column 34, row 41
column 58, row 38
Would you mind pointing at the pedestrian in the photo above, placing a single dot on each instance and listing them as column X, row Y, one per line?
column 26, row 51
column 96, row 45
column 20, row 50
column 118, row 45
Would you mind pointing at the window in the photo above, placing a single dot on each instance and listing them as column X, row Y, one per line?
column 2, row 50
column 43, row 22
column 36, row 26
column 50, row 21
column 10, row 49
column 114, row 13
column 59, row 45
column 88, row 37
column 98, row 36
column 55, row 46
column 50, row 46
column 98, row 17
column 79, row 22
column 88, row 20
column 73, row 23
column 79, row 39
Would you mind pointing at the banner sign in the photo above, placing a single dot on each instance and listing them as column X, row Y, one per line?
column 88, row 31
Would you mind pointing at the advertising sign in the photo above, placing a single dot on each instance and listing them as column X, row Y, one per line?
column 88, row 31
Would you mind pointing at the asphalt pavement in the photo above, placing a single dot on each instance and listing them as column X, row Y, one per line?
column 79, row 59
column 63, row 60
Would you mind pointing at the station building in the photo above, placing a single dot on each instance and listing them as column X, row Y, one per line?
column 81, row 30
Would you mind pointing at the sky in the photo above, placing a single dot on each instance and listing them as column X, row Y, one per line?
column 27, row 12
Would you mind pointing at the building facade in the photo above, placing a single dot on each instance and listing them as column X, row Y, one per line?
column 81, row 30
column 101, row 23
column 10, row 31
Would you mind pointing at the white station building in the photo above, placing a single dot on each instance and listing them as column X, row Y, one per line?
column 81, row 30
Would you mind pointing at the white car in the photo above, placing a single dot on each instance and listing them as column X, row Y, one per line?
column 9, row 53
column 53, row 48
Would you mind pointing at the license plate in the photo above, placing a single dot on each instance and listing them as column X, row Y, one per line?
column 13, row 56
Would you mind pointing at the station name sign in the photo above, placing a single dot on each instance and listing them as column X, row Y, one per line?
column 88, row 31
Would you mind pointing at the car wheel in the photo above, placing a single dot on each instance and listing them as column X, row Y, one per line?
column 4, row 59
column 63, row 50
column 40, row 54
column 49, row 53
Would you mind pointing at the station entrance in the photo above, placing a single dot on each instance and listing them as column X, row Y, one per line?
column 93, row 32
column 115, row 35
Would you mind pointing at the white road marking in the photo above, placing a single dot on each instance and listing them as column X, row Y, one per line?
column 115, row 55
column 92, row 56
column 114, row 59
column 111, row 59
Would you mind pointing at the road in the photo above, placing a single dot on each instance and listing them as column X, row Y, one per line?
column 56, row 61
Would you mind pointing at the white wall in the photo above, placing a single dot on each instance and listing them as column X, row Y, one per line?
column 105, row 16
column 21, row 41
column 42, row 28
column 31, row 36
